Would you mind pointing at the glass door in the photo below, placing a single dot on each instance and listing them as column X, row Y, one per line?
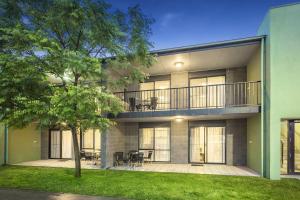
column 207, row 92
column 207, row 145
column 197, row 145
column 215, row 145
column 156, row 140
column 162, row 144
column 294, row 150
column 61, row 144
column 155, row 94
column 55, row 141
column 66, row 144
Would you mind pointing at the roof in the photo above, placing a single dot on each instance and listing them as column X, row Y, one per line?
column 208, row 46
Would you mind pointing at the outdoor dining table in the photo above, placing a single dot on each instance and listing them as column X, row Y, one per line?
column 93, row 155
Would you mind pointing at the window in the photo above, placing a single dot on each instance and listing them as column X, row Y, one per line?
column 156, row 140
column 207, row 92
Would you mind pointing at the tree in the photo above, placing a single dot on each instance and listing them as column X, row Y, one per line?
column 61, row 60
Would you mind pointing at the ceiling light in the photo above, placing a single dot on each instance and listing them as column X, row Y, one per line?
column 178, row 64
column 178, row 119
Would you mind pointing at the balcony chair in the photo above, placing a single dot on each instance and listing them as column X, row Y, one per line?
column 153, row 104
column 132, row 104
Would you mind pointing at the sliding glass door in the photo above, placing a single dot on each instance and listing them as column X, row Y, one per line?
column 215, row 145
column 294, row 147
column 156, row 140
column 297, row 147
column 207, row 145
column 55, row 147
column 91, row 140
column 159, row 90
column 197, row 145
column 66, row 151
column 207, row 92
column 61, row 144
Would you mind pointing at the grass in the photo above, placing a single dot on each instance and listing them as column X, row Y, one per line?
column 147, row 185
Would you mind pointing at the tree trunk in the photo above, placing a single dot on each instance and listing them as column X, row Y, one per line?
column 76, row 152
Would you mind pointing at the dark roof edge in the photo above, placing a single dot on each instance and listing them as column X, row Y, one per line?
column 212, row 45
column 284, row 5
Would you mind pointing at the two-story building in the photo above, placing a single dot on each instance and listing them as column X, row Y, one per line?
column 228, row 103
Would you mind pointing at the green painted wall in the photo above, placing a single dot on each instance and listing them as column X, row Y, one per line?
column 282, row 72
column 1, row 144
column 24, row 144
column 254, row 158
column 253, row 67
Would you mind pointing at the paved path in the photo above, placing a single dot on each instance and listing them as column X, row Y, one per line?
column 14, row 194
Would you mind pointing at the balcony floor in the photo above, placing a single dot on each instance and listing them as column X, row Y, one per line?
column 190, row 114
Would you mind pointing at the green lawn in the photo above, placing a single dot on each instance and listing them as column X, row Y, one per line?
column 147, row 185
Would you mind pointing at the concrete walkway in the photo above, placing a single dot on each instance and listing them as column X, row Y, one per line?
column 65, row 163
column 155, row 167
column 15, row 194
column 188, row 168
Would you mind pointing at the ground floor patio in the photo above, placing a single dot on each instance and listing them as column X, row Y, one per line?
column 154, row 167
column 199, row 169
column 62, row 163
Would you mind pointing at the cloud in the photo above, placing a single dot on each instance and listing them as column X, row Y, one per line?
column 168, row 18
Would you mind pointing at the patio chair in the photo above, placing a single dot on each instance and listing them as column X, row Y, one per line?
column 141, row 158
column 133, row 159
column 149, row 157
column 118, row 158
column 89, row 156
column 82, row 155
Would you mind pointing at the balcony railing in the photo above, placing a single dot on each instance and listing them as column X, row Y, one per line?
column 197, row 97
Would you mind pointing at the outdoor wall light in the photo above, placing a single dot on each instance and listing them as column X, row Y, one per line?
column 178, row 64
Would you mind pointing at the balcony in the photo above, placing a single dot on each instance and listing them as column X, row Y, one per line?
column 206, row 97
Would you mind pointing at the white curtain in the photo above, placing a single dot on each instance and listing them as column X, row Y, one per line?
column 158, row 136
column 66, row 144
column 207, row 92
column 207, row 144
column 215, row 145
column 297, row 147
column 88, row 139
column 146, row 138
column 147, row 92
column 162, row 144
column 97, row 139
column 216, row 91
column 162, row 92
column 197, row 144
column 55, row 144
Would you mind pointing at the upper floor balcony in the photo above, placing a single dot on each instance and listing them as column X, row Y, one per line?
column 193, row 99
column 210, row 81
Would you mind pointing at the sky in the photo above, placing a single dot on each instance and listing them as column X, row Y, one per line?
column 189, row 22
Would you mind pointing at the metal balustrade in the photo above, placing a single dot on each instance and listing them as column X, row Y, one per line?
column 196, row 97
